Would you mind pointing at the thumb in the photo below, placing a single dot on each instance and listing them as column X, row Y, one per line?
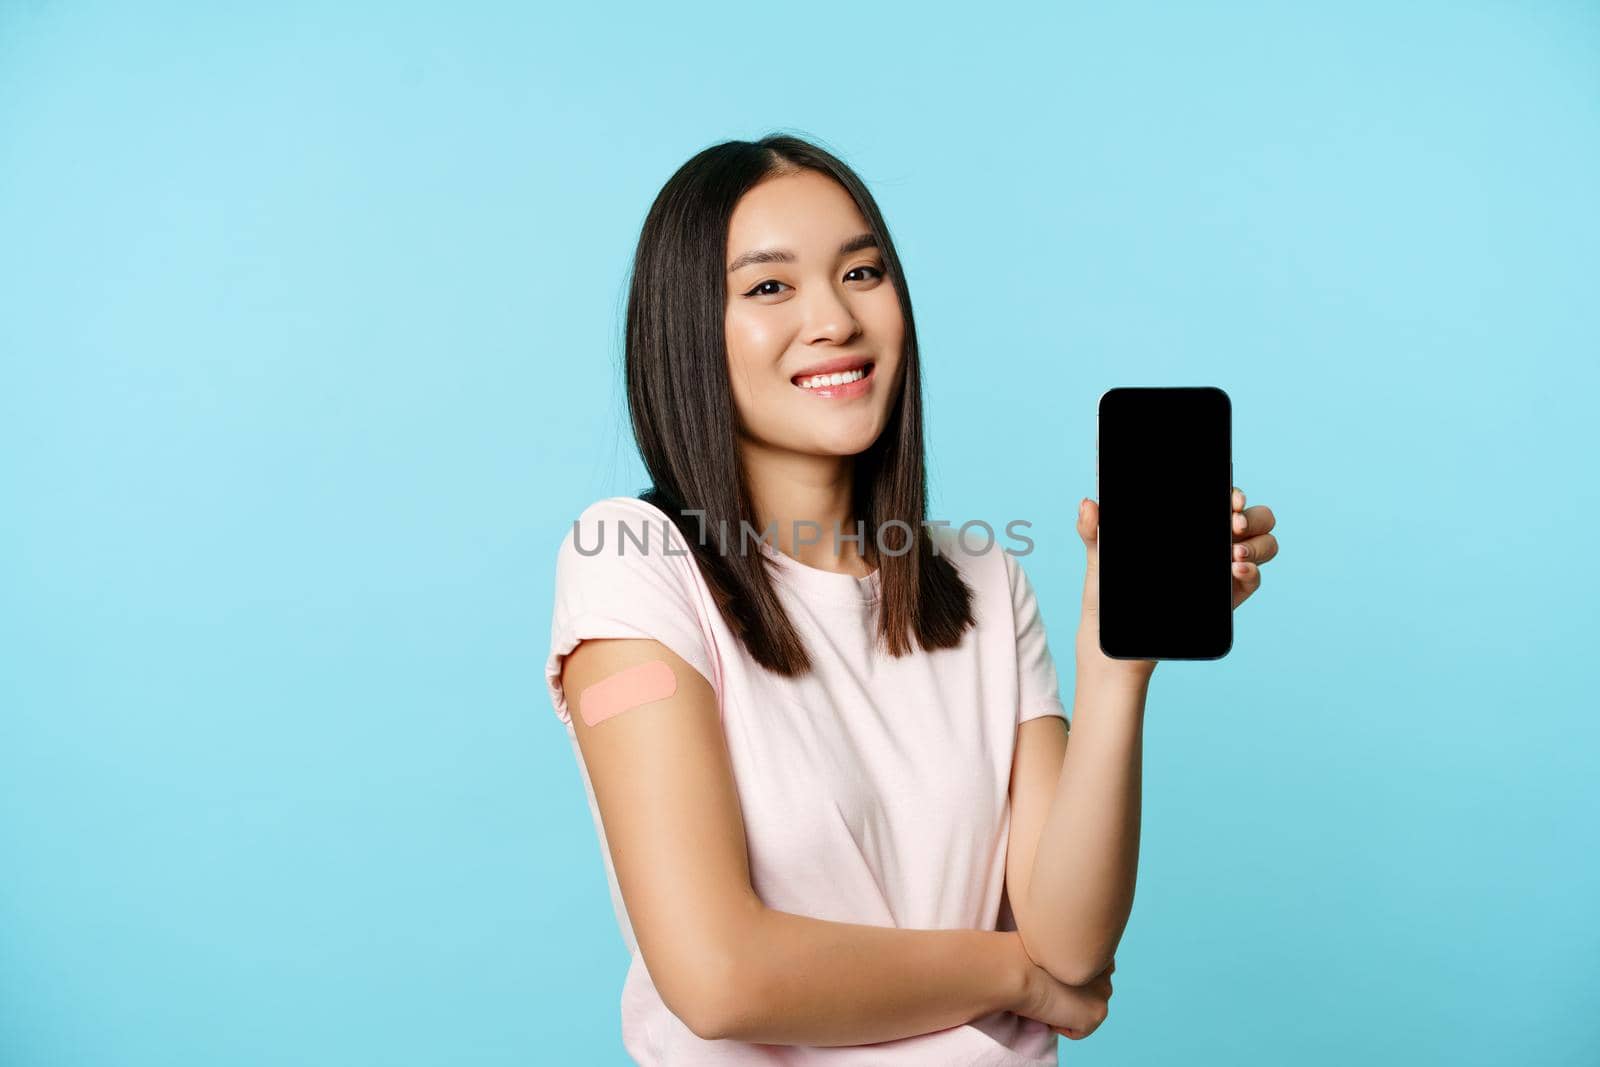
column 1089, row 531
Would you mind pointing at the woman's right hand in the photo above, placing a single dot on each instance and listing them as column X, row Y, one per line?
column 1074, row 1011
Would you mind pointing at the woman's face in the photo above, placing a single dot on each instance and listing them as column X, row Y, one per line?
column 818, row 298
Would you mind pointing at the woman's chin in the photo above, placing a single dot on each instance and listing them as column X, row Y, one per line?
column 844, row 444
column 839, row 435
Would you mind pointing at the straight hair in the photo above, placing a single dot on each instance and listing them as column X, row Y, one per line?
column 681, row 406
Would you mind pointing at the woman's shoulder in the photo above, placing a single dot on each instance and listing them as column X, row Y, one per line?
column 619, row 517
column 616, row 507
column 622, row 538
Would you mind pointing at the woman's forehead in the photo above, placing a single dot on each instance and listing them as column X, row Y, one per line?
column 804, row 217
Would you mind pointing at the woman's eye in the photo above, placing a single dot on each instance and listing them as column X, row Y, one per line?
column 762, row 288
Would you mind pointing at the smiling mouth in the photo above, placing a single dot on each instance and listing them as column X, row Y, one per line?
column 823, row 383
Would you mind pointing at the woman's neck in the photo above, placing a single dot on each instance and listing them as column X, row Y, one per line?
column 803, row 499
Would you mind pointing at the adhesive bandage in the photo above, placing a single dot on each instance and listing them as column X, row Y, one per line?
column 629, row 688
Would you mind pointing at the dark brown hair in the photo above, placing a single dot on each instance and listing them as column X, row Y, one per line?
column 685, row 421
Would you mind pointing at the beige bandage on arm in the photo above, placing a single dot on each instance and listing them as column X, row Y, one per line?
column 640, row 684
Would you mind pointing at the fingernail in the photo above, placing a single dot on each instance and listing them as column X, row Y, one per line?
column 1081, row 505
column 1241, row 569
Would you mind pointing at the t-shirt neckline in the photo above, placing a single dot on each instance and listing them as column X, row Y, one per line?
column 826, row 583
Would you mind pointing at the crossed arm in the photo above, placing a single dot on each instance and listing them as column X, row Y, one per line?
column 1073, row 855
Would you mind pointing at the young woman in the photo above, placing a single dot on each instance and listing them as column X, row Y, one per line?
column 829, row 768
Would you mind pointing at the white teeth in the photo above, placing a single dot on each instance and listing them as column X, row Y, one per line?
column 833, row 379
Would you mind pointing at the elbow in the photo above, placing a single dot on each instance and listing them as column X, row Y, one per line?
column 1068, row 964
column 706, row 1025
column 1080, row 967
column 704, row 1011
column 1063, row 968
column 725, row 1006
column 1078, row 974
column 697, row 990
column 727, row 1001
column 1062, row 947
column 717, row 983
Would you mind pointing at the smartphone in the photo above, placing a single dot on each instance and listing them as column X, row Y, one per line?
column 1164, row 466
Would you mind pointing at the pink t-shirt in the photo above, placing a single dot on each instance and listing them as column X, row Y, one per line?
column 874, row 790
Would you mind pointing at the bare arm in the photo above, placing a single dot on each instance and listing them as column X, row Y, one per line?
column 814, row 982
column 1077, row 860
column 1078, row 894
column 723, row 962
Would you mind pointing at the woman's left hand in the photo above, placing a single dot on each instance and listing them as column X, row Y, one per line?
column 1253, row 545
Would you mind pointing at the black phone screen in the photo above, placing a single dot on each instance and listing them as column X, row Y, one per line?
column 1165, row 487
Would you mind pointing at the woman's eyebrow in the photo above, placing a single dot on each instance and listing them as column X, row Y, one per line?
column 783, row 255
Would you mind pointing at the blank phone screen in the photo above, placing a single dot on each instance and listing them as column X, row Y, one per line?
column 1165, row 489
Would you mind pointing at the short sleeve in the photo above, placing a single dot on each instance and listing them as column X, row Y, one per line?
column 1038, row 688
column 635, row 584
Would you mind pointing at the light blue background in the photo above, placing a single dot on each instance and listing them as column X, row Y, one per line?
column 310, row 325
